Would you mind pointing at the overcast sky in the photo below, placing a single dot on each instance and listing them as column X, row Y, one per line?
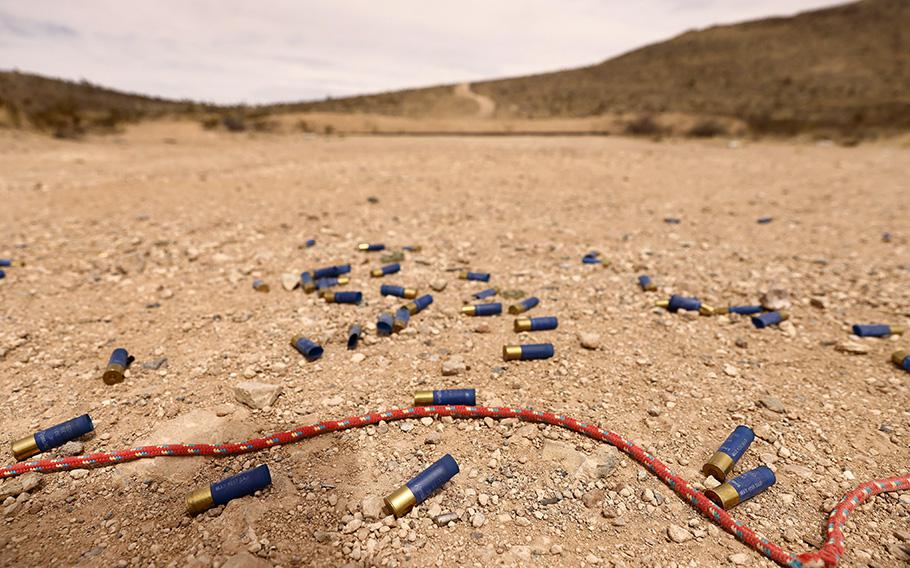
column 230, row 51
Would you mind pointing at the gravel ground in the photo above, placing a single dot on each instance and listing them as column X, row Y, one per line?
column 151, row 241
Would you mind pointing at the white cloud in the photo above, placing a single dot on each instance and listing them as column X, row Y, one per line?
column 277, row 50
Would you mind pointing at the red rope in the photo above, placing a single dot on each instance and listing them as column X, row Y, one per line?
column 826, row 557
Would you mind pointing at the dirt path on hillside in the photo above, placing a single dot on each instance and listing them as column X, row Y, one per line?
column 485, row 105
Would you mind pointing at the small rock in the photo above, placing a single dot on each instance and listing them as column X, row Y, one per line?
column 454, row 365
column 358, row 358
column 740, row 559
column 818, row 302
column 19, row 485
column 438, row 285
column 372, row 507
column 852, row 347
column 478, row 520
column 72, row 448
column 775, row 299
column 678, row 534
column 589, row 340
column 255, row 394
column 730, row 370
column 155, row 364
column 482, row 327
column 773, row 404
column 445, row 518
column 592, row 498
column 289, row 280
column 352, row 526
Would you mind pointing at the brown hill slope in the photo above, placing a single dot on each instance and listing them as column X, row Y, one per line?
column 68, row 108
column 845, row 68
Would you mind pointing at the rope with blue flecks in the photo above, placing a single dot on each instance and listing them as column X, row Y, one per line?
column 827, row 556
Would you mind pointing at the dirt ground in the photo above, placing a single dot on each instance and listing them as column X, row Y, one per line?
column 150, row 241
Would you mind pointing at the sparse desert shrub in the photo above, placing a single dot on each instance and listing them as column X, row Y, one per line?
column 210, row 122
column 328, row 130
column 707, row 129
column 234, row 123
column 303, row 126
column 644, row 125
column 265, row 125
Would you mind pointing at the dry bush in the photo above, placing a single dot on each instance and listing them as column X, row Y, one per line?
column 644, row 125
column 707, row 129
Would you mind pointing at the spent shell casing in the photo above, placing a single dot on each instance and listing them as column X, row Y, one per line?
column 724, row 459
column 528, row 352
column 478, row 276
column 53, row 437
column 456, row 397
column 536, row 324
column 218, row 493
column 354, row 334
column 482, row 310
column 117, row 364
column 742, row 487
column 422, row 486
column 524, row 305
column 309, row 349
column 769, row 318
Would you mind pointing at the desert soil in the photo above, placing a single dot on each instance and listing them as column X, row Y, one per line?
column 150, row 240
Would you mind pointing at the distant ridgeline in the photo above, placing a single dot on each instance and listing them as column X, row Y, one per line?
column 839, row 71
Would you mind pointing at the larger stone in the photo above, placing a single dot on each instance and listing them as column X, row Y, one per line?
column 197, row 426
column 246, row 560
column 775, row 299
column 18, row 485
column 255, row 394
column 678, row 534
column 773, row 404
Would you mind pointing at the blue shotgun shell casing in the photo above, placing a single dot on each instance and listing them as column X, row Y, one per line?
column 387, row 269
column 457, row 397
column 482, row 310
column 724, row 459
column 769, row 318
column 330, row 271
column 307, row 282
column 484, row 294
column 352, row 297
column 683, row 303
column 646, row 284
column 5, row 262
column 745, row 310
column 419, row 304
column 524, row 305
column 385, row 324
column 742, row 487
column 478, row 276
column 398, row 291
column 260, row 285
column 354, row 336
column 309, row 242
column 52, row 437
column 422, row 486
column 309, row 349
column 876, row 330
column 901, row 359
column 56, row 436
column 402, row 316
column 591, row 258
column 527, row 352
column 370, row 247
column 331, row 281
column 536, row 324
column 2, row 274
column 240, row 485
column 120, row 359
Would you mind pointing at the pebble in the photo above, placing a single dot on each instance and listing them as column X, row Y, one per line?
column 482, row 327
column 730, row 370
column 358, row 358
column 773, row 404
column 852, row 347
column 372, row 507
column 740, row 559
column 454, row 365
column 445, row 518
column 775, row 299
column 678, row 534
column 72, row 448
column 255, row 394
column 478, row 520
column 438, row 285
column 589, row 340
column 19, row 485
column 155, row 364
column 289, row 280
